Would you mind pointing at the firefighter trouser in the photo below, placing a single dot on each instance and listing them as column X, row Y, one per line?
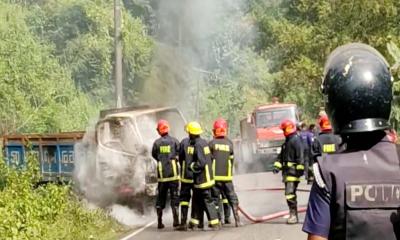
column 290, row 194
column 185, row 194
column 203, row 201
column 227, row 190
column 163, row 189
column 227, row 207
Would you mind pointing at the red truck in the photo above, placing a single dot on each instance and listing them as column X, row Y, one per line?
column 261, row 138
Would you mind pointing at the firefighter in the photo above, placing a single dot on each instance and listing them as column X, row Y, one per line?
column 291, row 162
column 356, row 193
column 185, row 159
column 326, row 141
column 203, row 179
column 165, row 151
column 222, row 151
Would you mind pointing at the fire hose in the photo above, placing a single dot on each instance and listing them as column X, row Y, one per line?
column 272, row 216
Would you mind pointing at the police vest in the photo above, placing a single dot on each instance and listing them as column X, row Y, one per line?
column 222, row 152
column 364, row 188
column 202, row 155
column 165, row 151
column 185, row 158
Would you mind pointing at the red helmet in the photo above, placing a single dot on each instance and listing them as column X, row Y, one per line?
column 288, row 127
column 324, row 123
column 162, row 127
column 220, row 128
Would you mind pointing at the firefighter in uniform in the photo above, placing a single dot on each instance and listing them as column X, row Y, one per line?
column 203, row 179
column 326, row 141
column 222, row 151
column 185, row 159
column 356, row 193
column 165, row 151
column 291, row 162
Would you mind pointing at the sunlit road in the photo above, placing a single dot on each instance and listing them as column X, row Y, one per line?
column 253, row 199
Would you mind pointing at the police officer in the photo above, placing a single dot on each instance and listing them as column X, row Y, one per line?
column 203, row 178
column 222, row 151
column 326, row 141
column 165, row 151
column 291, row 163
column 356, row 194
column 185, row 159
column 307, row 138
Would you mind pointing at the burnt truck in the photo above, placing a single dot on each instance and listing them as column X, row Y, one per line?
column 124, row 169
column 261, row 138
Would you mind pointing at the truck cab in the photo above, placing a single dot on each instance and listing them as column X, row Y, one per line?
column 261, row 136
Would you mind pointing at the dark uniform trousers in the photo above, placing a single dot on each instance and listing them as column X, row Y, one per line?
column 163, row 189
column 290, row 193
column 224, row 190
column 203, row 202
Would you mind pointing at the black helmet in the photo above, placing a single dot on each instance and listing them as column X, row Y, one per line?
column 357, row 86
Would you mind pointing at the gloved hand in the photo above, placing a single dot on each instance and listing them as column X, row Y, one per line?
column 277, row 167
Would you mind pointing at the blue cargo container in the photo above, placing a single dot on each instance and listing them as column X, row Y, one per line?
column 55, row 152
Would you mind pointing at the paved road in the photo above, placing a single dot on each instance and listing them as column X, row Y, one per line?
column 256, row 202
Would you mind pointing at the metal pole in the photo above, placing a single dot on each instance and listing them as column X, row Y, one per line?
column 118, row 53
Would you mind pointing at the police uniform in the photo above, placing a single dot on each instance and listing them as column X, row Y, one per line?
column 308, row 138
column 222, row 152
column 203, row 181
column 185, row 159
column 165, row 151
column 292, row 165
column 356, row 194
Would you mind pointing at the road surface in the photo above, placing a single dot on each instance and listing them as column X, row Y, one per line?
column 254, row 199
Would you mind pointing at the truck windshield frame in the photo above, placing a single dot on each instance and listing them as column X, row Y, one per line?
column 273, row 117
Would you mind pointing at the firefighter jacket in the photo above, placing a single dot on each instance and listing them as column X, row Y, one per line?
column 203, row 175
column 363, row 191
column 325, row 142
column 165, row 151
column 222, row 152
column 291, row 159
column 185, row 159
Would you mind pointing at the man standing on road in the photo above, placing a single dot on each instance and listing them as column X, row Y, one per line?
column 292, row 165
column 307, row 137
column 356, row 194
column 222, row 151
column 185, row 159
column 203, row 178
column 165, row 151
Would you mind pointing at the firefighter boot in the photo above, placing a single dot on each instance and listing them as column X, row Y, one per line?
column 184, row 214
column 159, row 218
column 175, row 215
column 235, row 209
column 293, row 219
column 227, row 213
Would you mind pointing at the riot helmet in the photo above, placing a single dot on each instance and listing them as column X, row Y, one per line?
column 357, row 87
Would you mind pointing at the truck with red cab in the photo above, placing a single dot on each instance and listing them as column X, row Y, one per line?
column 260, row 136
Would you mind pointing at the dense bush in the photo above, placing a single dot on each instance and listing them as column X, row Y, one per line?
column 49, row 211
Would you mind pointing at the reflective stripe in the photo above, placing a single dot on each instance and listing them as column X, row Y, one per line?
column 160, row 170
column 184, row 180
column 209, row 182
column 223, row 178
column 229, row 168
column 278, row 165
column 300, row 167
column 214, row 166
column 290, row 196
column 328, row 148
column 290, row 164
column 292, row 179
column 170, row 179
column 184, row 203
column 225, row 201
column 173, row 162
column 183, row 169
column 214, row 222
column 231, row 157
column 195, row 221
